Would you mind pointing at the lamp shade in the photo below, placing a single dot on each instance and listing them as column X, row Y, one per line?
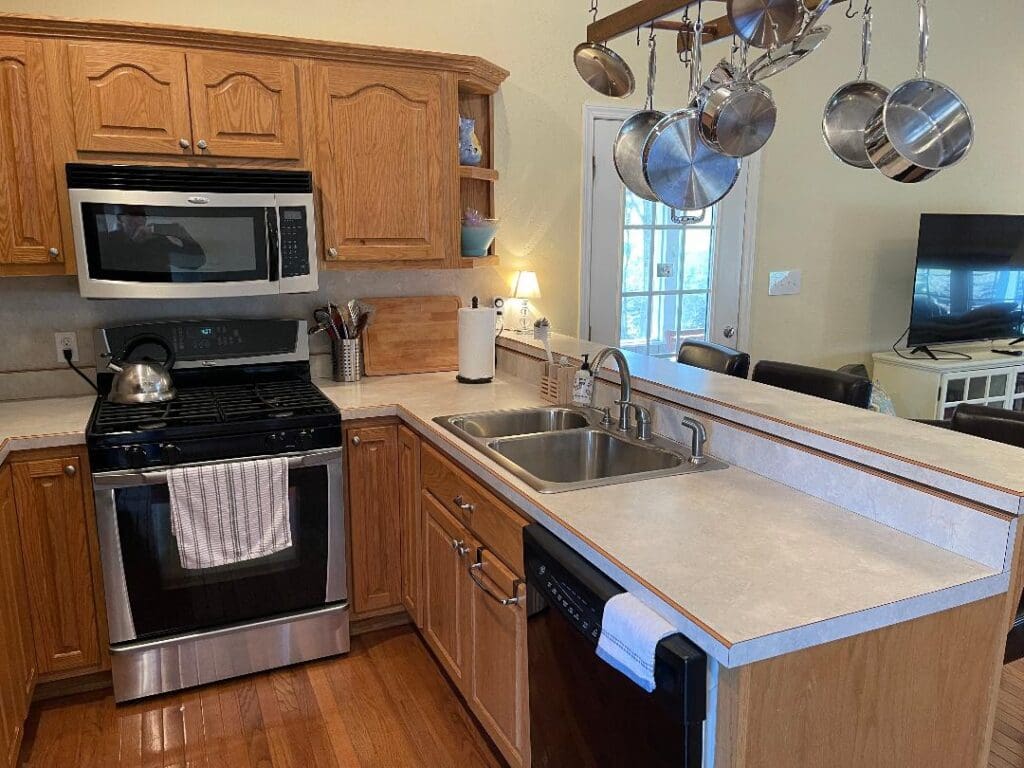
column 527, row 286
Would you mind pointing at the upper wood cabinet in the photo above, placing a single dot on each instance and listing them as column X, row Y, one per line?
column 388, row 165
column 244, row 106
column 161, row 100
column 29, row 225
column 129, row 98
column 53, row 519
column 374, row 521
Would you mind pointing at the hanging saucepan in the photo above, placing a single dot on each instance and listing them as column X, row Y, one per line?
column 851, row 107
column 684, row 172
column 794, row 51
column 923, row 126
column 766, row 23
column 723, row 73
column 629, row 144
column 738, row 118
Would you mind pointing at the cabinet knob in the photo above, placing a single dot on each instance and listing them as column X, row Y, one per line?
column 462, row 504
column 184, row 143
column 356, row 440
column 460, row 546
column 201, row 144
column 54, row 253
column 332, row 253
column 70, row 470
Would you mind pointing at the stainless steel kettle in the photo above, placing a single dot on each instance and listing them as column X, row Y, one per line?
column 143, row 381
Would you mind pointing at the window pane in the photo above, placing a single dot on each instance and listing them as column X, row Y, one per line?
column 664, row 316
column 997, row 387
column 634, row 323
column 976, row 390
column 667, row 263
column 638, row 210
column 955, row 390
column 694, row 319
column 697, row 262
column 636, row 261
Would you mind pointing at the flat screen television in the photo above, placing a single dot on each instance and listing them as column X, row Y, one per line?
column 970, row 279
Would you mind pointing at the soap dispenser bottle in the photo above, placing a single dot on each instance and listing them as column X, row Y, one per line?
column 583, row 384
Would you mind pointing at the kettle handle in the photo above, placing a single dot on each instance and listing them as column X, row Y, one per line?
column 137, row 341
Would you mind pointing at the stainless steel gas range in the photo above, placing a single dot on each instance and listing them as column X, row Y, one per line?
column 244, row 392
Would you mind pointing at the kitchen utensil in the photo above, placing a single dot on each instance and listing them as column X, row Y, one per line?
column 784, row 57
column 142, row 381
column 341, row 321
column 415, row 334
column 849, row 109
column 325, row 317
column 723, row 73
column 923, row 127
column 604, row 70
column 766, row 23
column 628, row 152
column 683, row 171
column 738, row 118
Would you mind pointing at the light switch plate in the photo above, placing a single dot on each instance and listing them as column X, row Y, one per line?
column 786, row 283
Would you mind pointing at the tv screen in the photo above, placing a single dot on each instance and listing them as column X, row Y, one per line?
column 970, row 279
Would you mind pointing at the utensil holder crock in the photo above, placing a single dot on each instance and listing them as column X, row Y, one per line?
column 347, row 358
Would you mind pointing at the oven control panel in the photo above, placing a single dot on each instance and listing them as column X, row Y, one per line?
column 294, row 239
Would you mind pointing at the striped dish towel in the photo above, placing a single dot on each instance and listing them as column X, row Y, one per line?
column 229, row 513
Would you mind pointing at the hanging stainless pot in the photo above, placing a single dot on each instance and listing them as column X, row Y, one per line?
column 604, row 70
column 923, row 127
column 850, row 108
column 786, row 56
column 144, row 381
column 738, row 118
column 766, row 23
column 683, row 171
column 628, row 152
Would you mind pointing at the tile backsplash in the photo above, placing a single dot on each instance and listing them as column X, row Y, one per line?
column 32, row 309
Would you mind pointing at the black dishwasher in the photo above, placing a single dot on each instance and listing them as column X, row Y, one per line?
column 584, row 713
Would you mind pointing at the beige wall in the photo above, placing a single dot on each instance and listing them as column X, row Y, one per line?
column 851, row 232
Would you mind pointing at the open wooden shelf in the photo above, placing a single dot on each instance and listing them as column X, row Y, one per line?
column 475, row 172
column 480, row 261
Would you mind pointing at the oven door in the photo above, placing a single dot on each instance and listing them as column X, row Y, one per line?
column 165, row 245
column 149, row 595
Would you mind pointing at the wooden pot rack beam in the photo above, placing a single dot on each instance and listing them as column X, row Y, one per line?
column 647, row 12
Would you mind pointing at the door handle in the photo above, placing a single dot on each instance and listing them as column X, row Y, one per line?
column 472, row 570
column 729, row 331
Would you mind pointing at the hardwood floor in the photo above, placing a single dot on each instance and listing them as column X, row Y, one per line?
column 1008, row 739
column 385, row 705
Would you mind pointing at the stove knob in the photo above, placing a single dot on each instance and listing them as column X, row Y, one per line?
column 305, row 439
column 170, row 453
column 275, row 440
column 136, row 456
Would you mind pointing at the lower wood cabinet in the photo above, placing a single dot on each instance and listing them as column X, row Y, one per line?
column 53, row 498
column 412, row 522
column 374, row 519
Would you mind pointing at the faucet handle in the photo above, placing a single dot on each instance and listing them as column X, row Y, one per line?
column 643, row 421
column 624, row 421
column 606, row 416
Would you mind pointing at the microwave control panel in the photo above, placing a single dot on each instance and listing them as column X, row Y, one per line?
column 294, row 241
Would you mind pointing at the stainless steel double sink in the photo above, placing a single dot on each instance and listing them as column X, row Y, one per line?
column 558, row 448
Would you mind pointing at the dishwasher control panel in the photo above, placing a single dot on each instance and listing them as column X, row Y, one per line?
column 584, row 613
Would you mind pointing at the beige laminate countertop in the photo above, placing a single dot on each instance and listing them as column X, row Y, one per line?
column 747, row 567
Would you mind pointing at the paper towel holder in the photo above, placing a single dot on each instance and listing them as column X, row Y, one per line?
column 484, row 349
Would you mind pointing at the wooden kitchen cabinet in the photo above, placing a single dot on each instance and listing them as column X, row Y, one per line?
column 374, row 518
column 54, row 523
column 161, row 100
column 388, row 166
column 412, row 522
column 498, row 675
column 18, row 670
column 29, row 226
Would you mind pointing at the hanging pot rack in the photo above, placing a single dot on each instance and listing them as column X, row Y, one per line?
column 648, row 13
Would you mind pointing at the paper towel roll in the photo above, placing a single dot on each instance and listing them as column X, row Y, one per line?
column 476, row 345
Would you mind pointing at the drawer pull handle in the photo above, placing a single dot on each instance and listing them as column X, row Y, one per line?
column 356, row 440
column 460, row 546
column 464, row 505
column 486, row 590
column 70, row 470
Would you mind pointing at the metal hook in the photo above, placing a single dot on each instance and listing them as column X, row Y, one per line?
column 593, row 9
column 850, row 13
column 650, row 36
column 638, row 37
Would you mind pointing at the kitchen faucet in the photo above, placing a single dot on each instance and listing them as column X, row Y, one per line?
column 625, row 387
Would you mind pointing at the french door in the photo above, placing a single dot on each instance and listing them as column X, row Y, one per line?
column 654, row 277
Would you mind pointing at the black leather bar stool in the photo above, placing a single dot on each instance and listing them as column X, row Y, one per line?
column 819, row 382
column 714, row 357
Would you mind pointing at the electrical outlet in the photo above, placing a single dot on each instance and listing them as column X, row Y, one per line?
column 66, row 340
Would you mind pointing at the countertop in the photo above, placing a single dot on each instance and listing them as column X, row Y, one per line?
column 747, row 567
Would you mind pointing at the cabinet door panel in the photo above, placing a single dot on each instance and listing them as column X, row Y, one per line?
column 499, row 677
column 244, row 106
column 52, row 520
column 29, row 227
column 389, row 167
column 129, row 98
column 412, row 526
column 374, row 518
column 444, row 588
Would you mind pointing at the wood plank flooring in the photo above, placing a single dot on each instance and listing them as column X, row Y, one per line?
column 385, row 705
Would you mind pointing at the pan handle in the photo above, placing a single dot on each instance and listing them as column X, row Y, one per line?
column 922, row 55
column 652, row 69
column 865, row 45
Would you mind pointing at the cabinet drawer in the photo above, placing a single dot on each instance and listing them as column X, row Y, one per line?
column 497, row 526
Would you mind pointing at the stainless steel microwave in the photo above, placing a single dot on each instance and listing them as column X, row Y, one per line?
column 144, row 232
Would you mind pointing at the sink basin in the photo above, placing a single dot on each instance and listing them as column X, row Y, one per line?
column 561, row 448
column 581, row 455
column 524, row 422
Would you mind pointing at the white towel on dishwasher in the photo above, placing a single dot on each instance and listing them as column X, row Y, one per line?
column 228, row 513
column 630, row 632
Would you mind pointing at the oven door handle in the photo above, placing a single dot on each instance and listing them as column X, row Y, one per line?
column 133, row 478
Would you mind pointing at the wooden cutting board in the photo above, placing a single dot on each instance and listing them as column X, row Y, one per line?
column 415, row 334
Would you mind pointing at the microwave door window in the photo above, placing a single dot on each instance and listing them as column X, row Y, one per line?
column 169, row 244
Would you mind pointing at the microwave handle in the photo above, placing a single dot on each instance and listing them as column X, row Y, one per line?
column 273, row 246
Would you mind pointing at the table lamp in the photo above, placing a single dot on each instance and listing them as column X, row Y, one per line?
column 526, row 288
